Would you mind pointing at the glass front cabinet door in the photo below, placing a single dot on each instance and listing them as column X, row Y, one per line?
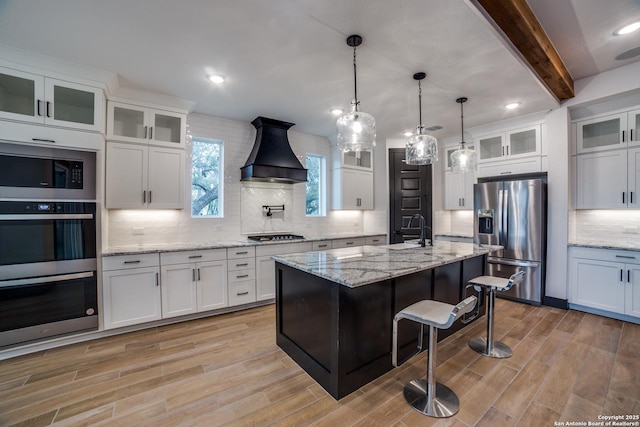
column 38, row 99
column 132, row 123
column 602, row 133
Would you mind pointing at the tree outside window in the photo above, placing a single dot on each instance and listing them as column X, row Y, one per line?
column 206, row 177
column 316, row 184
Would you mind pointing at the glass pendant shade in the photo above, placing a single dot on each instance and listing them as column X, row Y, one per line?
column 464, row 159
column 421, row 149
column 356, row 131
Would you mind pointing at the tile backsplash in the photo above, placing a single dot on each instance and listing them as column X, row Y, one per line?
column 605, row 226
column 242, row 202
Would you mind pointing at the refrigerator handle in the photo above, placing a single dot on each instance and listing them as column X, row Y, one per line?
column 505, row 216
column 500, row 215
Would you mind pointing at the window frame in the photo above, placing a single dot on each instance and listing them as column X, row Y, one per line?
column 220, row 142
column 322, row 185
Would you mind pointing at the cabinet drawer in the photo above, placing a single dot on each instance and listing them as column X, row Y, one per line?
column 242, row 292
column 613, row 255
column 286, row 248
column 120, row 262
column 375, row 240
column 242, row 252
column 322, row 246
column 241, row 275
column 168, row 258
column 347, row 243
column 241, row 264
column 510, row 167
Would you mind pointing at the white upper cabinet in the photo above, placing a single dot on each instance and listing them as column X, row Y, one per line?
column 608, row 132
column 511, row 143
column 358, row 159
column 133, row 123
column 140, row 177
column 35, row 98
column 458, row 187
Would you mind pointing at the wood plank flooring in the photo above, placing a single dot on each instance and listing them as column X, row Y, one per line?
column 227, row 371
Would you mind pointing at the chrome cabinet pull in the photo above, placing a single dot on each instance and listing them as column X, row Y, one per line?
column 198, row 274
column 242, row 253
column 242, row 293
column 39, row 106
column 242, row 276
column 195, row 256
column 625, row 256
column 193, row 274
column 621, row 274
column 133, row 262
column 244, row 264
column 623, row 136
column 48, row 109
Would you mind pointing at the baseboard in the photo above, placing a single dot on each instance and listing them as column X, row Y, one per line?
column 555, row 302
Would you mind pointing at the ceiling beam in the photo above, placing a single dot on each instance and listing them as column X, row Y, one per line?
column 517, row 23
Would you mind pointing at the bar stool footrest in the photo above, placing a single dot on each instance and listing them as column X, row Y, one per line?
column 499, row 349
column 444, row 404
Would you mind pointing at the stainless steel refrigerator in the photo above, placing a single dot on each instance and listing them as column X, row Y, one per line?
column 513, row 214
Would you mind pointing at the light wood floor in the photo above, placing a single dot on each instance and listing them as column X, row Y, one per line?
column 227, row 370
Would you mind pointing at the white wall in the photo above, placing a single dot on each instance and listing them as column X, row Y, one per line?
column 177, row 226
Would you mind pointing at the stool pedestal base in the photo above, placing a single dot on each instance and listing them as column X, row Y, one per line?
column 497, row 349
column 444, row 404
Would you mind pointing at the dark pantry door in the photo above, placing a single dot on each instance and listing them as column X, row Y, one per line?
column 410, row 193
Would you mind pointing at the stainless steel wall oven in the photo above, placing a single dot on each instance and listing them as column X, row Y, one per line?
column 48, row 267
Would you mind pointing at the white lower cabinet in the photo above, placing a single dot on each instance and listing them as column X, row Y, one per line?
column 130, row 290
column 241, row 278
column 375, row 240
column 605, row 279
column 193, row 281
column 347, row 243
column 266, row 267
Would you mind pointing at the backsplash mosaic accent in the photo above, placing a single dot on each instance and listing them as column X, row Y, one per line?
column 256, row 218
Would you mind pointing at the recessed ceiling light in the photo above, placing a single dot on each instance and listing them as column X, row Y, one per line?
column 627, row 29
column 512, row 106
column 216, row 78
column 408, row 133
column 337, row 111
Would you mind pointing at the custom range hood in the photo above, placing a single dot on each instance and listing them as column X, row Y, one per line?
column 272, row 159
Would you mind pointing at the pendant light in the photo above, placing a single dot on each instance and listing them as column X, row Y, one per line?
column 356, row 129
column 421, row 149
column 463, row 159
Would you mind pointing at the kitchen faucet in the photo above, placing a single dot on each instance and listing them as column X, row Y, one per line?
column 423, row 227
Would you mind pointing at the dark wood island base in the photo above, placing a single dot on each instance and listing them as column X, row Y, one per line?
column 342, row 335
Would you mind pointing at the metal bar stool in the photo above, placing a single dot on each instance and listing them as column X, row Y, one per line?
column 487, row 346
column 428, row 397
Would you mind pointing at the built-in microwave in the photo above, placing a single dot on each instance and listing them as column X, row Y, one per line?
column 29, row 172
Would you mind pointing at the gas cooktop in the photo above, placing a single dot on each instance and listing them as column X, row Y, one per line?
column 273, row 237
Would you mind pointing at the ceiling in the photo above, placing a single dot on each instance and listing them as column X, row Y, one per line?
column 288, row 59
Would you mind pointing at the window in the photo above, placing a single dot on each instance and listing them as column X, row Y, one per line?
column 206, row 177
column 316, row 184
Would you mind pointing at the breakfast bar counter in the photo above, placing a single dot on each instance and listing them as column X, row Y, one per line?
column 335, row 308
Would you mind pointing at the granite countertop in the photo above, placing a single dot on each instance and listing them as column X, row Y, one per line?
column 629, row 246
column 176, row 247
column 363, row 265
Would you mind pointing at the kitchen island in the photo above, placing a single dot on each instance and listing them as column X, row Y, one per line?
column 334, row 309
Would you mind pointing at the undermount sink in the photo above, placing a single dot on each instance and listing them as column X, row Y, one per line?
column 406, row 245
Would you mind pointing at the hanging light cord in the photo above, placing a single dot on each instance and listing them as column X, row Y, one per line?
column 419, row 107
column 355, row 80
column 462, row 125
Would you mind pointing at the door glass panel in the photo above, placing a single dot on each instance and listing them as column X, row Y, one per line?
column 349, row 158
column 73, row 105
column 128, row 122
column 635, row 128
column 601, row 134
column 167, row 128
column 17, row 95
column 490, row 147
column 365, row 159
column 523, row 142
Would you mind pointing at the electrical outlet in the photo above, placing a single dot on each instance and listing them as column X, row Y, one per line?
column 138, row 231
column 627, row 229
